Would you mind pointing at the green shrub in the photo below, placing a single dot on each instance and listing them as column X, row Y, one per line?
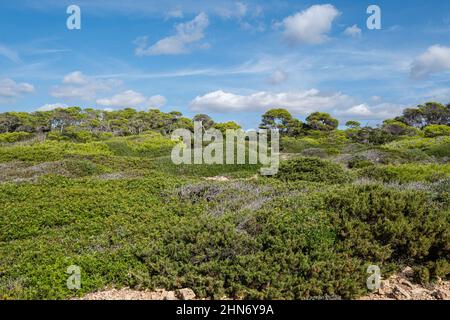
column 297, row 145
column 407, row 172
column 359, row 162
column 51, row 151
column 312, row 169
column 439, row 147
column 11, row 137
column 315, row 152
column 83, row 168
column 389, row 225
column 148, row 145
column 436, row 130
column 57, row 136
column 76, row 135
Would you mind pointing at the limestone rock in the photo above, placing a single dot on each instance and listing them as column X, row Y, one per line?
column 186, row 294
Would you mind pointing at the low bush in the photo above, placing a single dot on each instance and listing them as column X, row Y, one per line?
column 407, row 172
column 11, row 137
column 436, row 130
column 438, row 147
column 359, row 162
column 391, row 226
column 313, row 170
column 149, row 145
column 51, row 151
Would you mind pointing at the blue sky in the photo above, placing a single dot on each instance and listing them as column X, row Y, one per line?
column 230, row 59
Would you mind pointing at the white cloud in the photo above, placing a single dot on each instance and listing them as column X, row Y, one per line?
column 353, row 31
column 279, row 76
column 311, row 25
column 361, row 110
column 298, row 102
column 50, row 107
column 77, row 78
column 11, row 89
column 132, row 99
column 436, row 59
column 76, row 85
column 186, row 34
column 366, row 112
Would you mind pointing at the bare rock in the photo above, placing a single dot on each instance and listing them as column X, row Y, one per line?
column 185, row 294
column 408, row 272
column 439, row 294
column 400, row 293
column 406, row 283
column 170, row 296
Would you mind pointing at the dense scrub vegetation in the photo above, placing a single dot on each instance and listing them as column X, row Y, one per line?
column 98, row 190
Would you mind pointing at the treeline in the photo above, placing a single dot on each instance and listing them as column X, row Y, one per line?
column 431, row 120
column 75, row 123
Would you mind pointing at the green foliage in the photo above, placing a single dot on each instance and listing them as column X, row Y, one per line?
column 321, row 121
column 359, row 162
column 148, row 145
column 380, row 224
column 407, row 172
column 438, row 147
column 436, row 130
column 206, row 120
column 373, row 136
column 51, row 151
column 281, row 120
column 11, row 137
column 102, row 193
column 398, row 128
column 351, row 124
column 230, row 125
column 331, row 143
column 431, row 113
column 314, row 170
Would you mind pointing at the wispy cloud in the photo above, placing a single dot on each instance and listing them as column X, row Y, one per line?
column 186, row 34
column 9, row 54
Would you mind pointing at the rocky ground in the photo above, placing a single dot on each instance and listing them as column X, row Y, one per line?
column 128, row 294
column 397, row 287
column 402, row 287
